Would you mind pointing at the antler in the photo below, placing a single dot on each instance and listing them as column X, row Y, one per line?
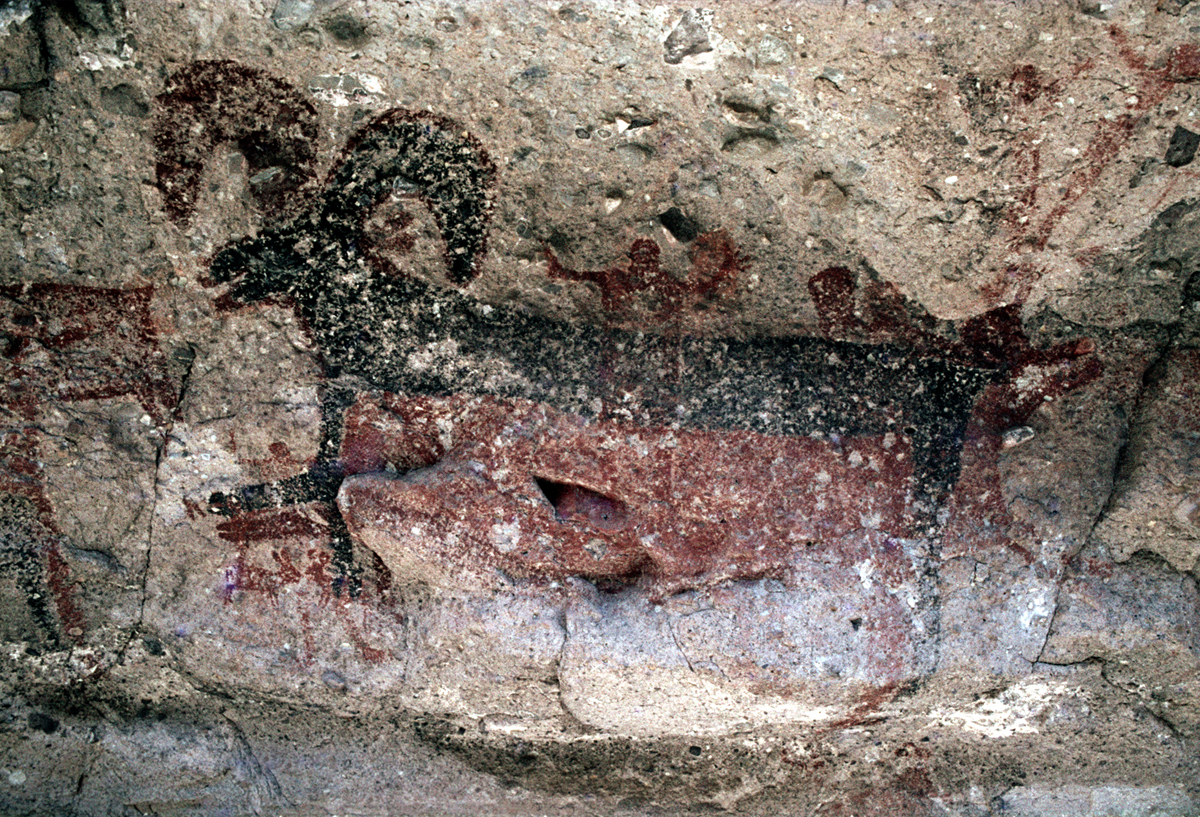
column 211, row 102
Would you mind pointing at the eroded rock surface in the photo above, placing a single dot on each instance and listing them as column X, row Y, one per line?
column 599, row 408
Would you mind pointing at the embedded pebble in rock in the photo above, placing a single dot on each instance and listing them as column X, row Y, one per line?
column 292, row 14
column 772, row 50
column 1017, row 436
column 689, row 37
column 22, row 64
column 1182, row 148
column 10, row 106
column 599, row 408
column 679, row 225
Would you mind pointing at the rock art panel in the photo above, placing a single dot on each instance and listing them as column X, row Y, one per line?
column 485, row 450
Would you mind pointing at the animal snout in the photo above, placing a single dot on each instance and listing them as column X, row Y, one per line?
column 228, row 264
column 257, row 267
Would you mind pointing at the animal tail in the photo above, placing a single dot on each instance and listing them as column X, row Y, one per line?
column 423, row 154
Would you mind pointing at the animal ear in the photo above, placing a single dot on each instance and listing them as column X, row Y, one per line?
column 219, row 101
column 431, row 159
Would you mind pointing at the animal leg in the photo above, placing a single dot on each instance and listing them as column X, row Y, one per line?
column 23, row 540
column 320, row 483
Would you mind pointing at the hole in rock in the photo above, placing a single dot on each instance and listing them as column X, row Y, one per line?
column 575, row 503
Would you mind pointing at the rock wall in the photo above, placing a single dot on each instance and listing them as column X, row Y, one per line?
column 599, row 408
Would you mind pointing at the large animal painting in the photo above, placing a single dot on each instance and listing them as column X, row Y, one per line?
column 463, row 441
column 811, row 437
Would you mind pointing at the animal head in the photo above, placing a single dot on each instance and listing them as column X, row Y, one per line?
column 417, row 155
column 260, row 268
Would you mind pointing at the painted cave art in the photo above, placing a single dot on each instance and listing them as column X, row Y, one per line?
column 464, row 441
column 61, row 343
column 1024, row 99
column 217, row 102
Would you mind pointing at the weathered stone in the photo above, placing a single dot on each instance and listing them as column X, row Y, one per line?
column 22, row 62
column 1143, row 620
column 772, row 51
column 604, row 408
column 124, row 99
column 10, row 107
column 292, row 14
column 689, row 37
column 1094, row 801
column 1157, row 504
column 751, row 659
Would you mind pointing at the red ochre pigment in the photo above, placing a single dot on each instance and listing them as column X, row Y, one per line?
column 541, row 494
column 66, row 343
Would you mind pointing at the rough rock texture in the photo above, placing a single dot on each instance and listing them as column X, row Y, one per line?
column 599, row 408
